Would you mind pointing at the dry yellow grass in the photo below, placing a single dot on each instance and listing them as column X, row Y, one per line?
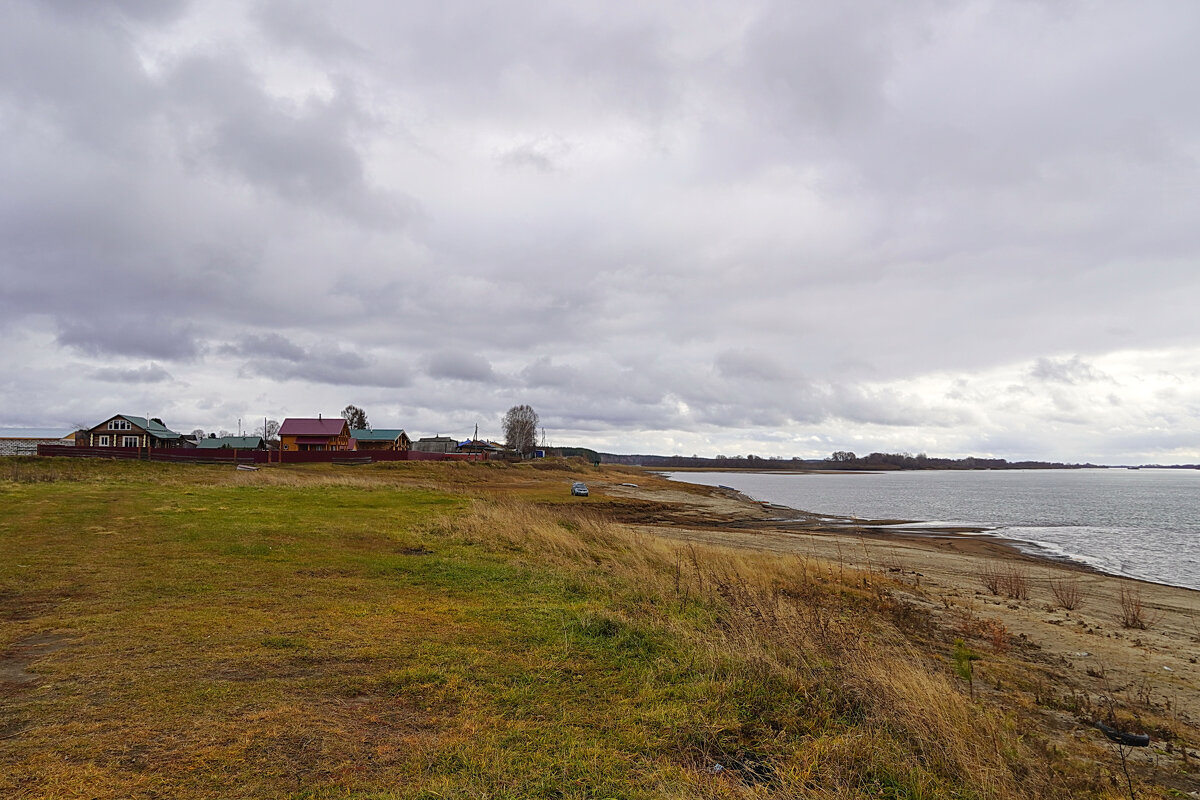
column 424, row 631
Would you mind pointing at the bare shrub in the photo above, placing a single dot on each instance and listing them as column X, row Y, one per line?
column 1015, row 584
column 1068, row 592
column 1011, row 582
column 991, row 578
column 1134, row 613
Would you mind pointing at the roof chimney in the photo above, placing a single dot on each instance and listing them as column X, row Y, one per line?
column 318, row 415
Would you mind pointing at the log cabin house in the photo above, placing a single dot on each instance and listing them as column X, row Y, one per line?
column 126, row 430
column 380, row 439
column 300, row 434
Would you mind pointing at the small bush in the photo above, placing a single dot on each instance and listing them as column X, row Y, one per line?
column 1134, row 613
column 991, row 578
column 1016, row 584
column 1068, row 593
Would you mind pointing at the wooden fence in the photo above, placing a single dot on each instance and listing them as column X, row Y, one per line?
column 189, row 455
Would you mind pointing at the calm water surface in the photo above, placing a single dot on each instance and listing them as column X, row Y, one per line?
column 1141, row 523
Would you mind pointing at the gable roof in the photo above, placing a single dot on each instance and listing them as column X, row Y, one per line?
column 153, row 428
column 480, row 444
column 306, row 426
column 235, row 442
column 377, row 434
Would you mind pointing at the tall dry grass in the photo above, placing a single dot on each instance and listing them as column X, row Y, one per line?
column 799, row 622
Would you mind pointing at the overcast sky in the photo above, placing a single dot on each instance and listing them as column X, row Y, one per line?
column 672, row 227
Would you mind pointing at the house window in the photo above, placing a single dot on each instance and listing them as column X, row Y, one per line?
column 119, row 425
column 129, row 441
column 102, row 441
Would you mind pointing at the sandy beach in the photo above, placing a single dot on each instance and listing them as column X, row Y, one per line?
column 1087, row 651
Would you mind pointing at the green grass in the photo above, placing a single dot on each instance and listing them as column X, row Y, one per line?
column 227, row 638
column 326, row 633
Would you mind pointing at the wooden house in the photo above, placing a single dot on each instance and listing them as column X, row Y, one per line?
column 436, row 444
column 126, row 430
column 380, row 439
column 298, row 434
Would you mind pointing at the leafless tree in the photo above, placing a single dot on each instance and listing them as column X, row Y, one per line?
column 520, row 428
column 269, row 432
column 355, row 417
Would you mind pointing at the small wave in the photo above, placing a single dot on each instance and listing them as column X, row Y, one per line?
column 1126, row 552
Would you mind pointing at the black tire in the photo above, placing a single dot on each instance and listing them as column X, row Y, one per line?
column 1120, row 737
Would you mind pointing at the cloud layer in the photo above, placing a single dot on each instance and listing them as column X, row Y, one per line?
column 779, row 228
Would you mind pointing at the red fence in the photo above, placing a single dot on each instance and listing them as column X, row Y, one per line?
column 223, row 455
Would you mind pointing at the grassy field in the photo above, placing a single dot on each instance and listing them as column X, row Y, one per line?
column 455, row 631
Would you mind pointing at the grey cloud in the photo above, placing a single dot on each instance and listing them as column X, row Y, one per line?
column 1072, row 371
column 737, row 365
column 267, row 345
column 143, row 10
column 820, row 66
column 297, row 150
column 275, row 356
column 305, row 25
column 540, row 155
column 153, row 337
column 543, row 372
column 332, row 369
column 77, row 76
column 148, row 373
column 460, row 367
column 706, row 225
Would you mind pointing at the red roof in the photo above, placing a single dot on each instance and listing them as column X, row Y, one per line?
column 312, row 427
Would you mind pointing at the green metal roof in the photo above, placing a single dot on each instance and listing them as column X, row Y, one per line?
column 376, row 435
column 156, row 430
column 234, row 442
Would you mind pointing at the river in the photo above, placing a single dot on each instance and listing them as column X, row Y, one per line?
column 1138, row 523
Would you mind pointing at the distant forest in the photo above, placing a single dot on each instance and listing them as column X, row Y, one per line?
column 841, row 460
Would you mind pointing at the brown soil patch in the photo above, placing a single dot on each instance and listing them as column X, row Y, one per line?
column 15, row 661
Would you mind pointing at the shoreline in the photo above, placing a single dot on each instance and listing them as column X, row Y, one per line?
column 929, row 529
column 945, row 574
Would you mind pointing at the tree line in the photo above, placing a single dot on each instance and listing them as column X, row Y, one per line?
column 839, row 460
